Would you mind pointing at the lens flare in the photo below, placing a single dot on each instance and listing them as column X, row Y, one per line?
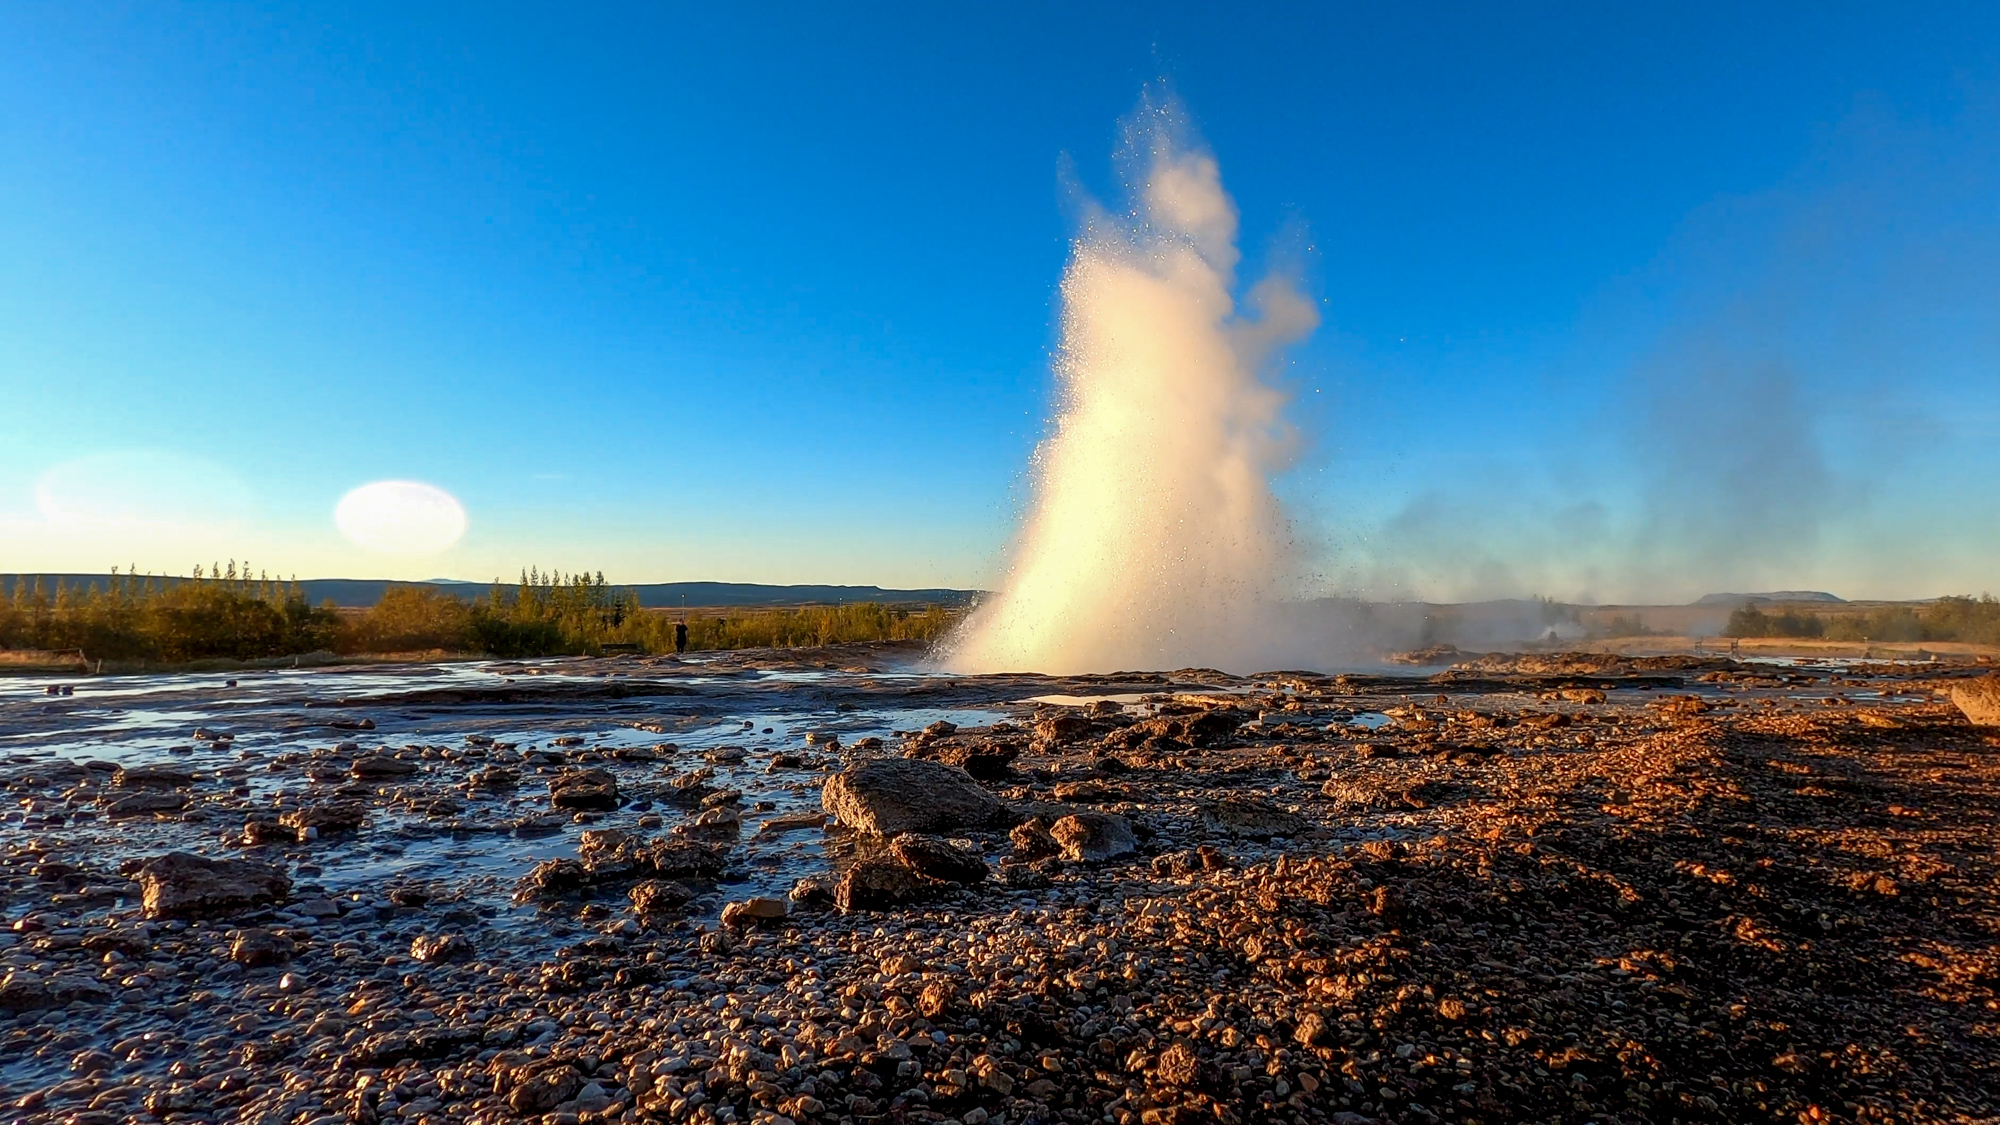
column 403, row 517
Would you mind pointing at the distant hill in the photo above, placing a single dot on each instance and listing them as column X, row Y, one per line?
column 364, row 592
column 1734, row 601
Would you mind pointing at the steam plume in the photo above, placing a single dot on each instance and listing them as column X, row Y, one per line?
column 1154, row 539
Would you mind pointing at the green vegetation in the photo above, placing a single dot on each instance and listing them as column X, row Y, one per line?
column 229, row 614
column 1961, row 619
column 547, row 615
column 1623, row 625
column 1749, row 621
column 221, row 614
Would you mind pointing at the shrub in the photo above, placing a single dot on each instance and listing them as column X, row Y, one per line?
column 1749, row 621
column 229, row 614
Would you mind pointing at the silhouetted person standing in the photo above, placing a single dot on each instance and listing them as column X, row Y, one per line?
column 680, row 637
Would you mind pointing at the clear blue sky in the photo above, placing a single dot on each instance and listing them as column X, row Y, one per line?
column 1617, row 300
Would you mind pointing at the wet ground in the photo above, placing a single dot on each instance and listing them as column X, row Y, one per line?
column 1537, row 888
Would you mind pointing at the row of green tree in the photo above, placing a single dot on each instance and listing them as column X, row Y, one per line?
column 229, row 612
column 1965, row 619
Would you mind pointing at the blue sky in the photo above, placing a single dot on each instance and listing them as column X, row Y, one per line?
column 1616, row 303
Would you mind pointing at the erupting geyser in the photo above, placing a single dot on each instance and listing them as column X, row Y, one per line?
column 1154, row 539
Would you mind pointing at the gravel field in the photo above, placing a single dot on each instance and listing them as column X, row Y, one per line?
column 822, row 887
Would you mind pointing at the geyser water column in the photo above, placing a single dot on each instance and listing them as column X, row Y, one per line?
column 1154, row 539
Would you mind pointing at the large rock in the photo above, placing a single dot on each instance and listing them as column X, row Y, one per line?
column 255, row 948
column 584, row 791
column 541, row 1090
column 658, row 896
column 1170, row 732
column 324, row 819
column 179, row 885
column 152, row 777
column 1063, row 726
column 879, row 884
column 144, row 803
column 1091, row 837
column 1979, row 699
column 614, row 858
column 1252, row 819
column 939, row 858
column 22, row 990
column 375, row 767
column 888, row 796
column 1032, row 840
column 750, row 912
column 986, row 759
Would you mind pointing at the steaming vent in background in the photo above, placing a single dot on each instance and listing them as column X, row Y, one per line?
column 1154, row 539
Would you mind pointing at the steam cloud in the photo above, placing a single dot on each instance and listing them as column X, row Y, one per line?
column 1154, row 538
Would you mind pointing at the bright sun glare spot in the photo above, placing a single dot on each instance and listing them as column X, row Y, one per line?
column 403, row 517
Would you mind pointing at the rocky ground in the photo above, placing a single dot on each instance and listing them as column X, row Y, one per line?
column 1524, row 889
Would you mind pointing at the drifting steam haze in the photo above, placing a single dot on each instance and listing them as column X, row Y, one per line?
column 1154, row 539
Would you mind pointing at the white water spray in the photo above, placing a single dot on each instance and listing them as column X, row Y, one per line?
column 1154, row 539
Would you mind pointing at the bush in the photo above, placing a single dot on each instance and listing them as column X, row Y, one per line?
column 1956, row 618
column 1749, row 621
column 229, row 614
column 129, row 618
column 1624, row 625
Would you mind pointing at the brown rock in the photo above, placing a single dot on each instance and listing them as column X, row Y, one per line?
column 542, row 1090
column 814, row 890
column 936, row 999
column 752, row 911
column 888, row 796
column 987, row 761
column 1252, row 819
column 144, row 804
column 441, row 947
column 1091, row 791
column 659, row 896
column 716, row 824
column 377, row 766
column 552, row 878
column 325, row 819
column 1091, row 837
column 179, row 885
column 256, row 832
column 1979, row 699
column 1062, row 726
column 876, row 884
column 152, row 777
column 584, row 791
column 1032, row 840
column 254, row 948
column 1179, row 1066
column 939, row 858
